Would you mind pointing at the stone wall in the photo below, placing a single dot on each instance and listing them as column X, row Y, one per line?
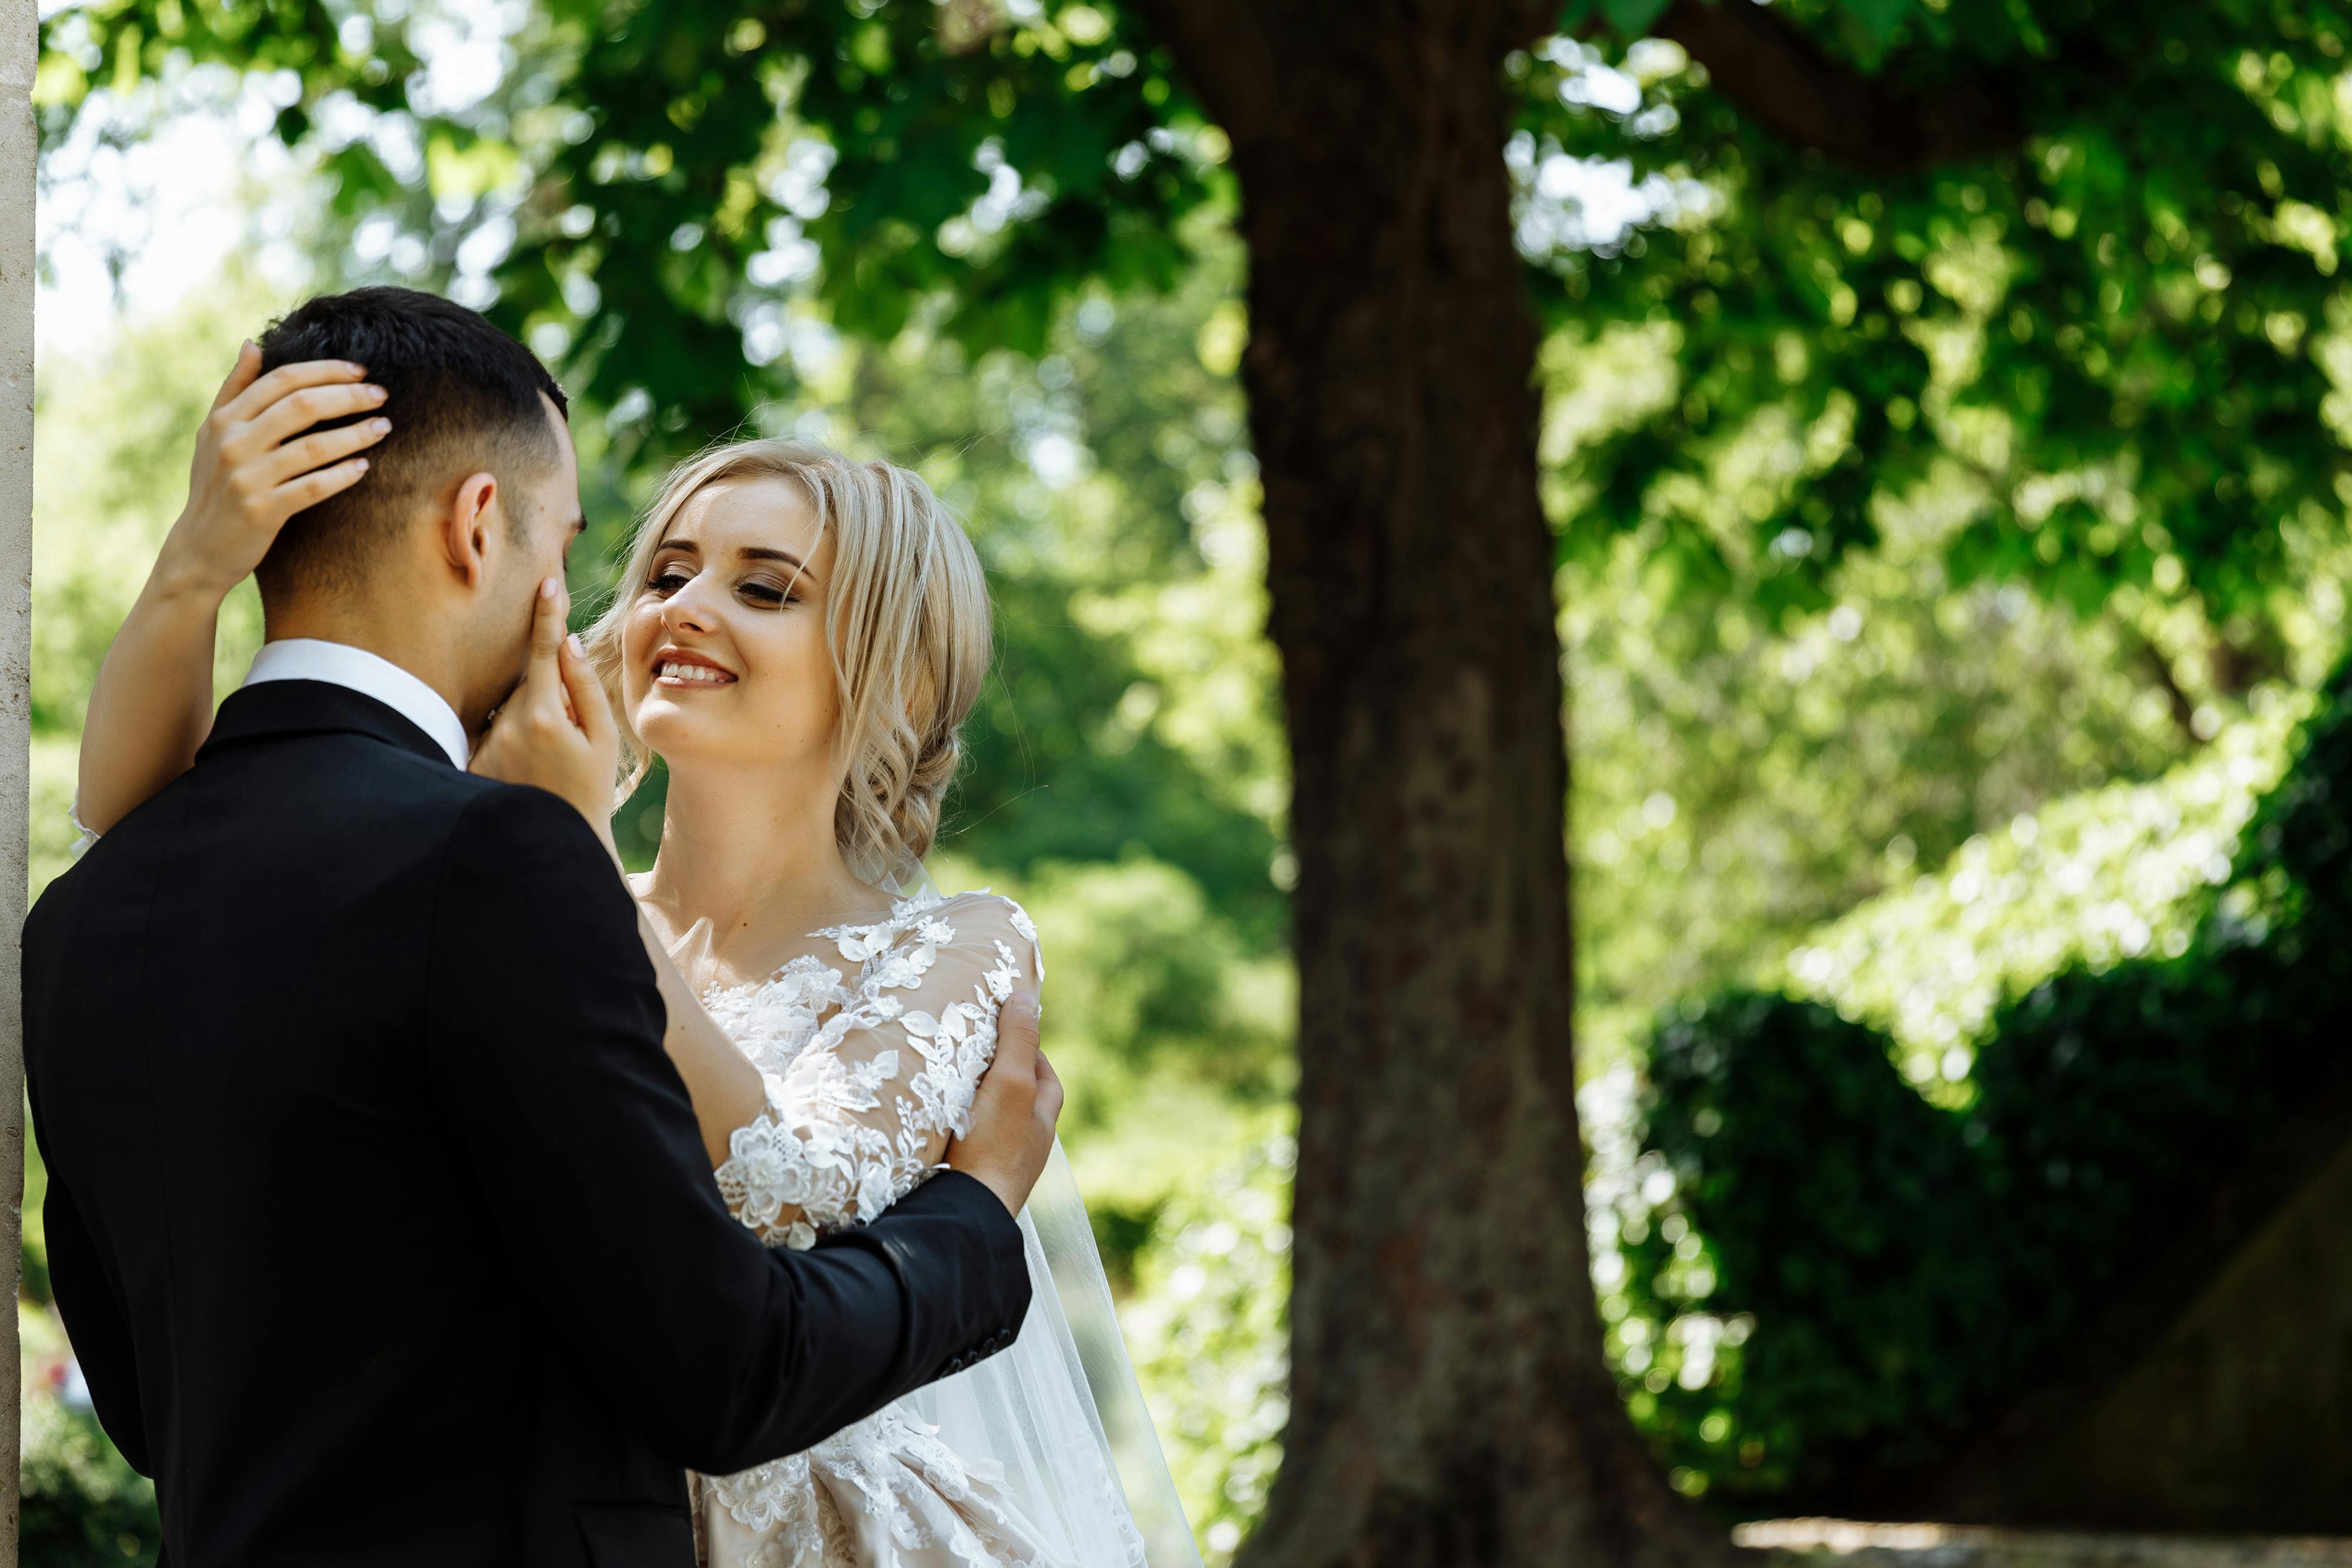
column 2231, row 1413
column 1846, row 1544
column 18, row 31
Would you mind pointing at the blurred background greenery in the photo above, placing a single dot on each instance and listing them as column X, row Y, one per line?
column 1948, row 561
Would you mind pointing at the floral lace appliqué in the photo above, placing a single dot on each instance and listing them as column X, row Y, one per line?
column 870, row 1069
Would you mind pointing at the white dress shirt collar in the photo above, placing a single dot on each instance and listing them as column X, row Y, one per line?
column 340, row 663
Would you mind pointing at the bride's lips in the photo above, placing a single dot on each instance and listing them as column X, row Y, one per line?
column 681, row 671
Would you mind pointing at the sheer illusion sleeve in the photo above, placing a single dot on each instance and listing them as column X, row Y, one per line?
column 861, row 1113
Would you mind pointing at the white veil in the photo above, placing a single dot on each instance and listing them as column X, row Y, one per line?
column 1059, row 1411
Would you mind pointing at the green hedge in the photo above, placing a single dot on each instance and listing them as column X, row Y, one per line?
column 1895, row 1274
column 83, row 1505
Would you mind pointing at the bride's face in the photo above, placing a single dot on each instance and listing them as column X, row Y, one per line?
column 724, row 653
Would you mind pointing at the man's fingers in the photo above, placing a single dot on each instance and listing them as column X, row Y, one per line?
column 318, row 451
column 1048, row 1103
column 1016, row 1038
column 241, row 375
column 303, row 407
column 1016, row 1023
column 247, row 404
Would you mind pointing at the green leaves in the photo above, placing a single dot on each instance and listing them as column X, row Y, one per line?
column 2102, row 337
column 120, row 44
column 2106, row 337
column 1908, row 1272
column 986, row 165
column 1633, row 18
column 984, row 162
column 1879, row 20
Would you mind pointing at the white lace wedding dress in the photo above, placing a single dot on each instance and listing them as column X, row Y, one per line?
column 871, row 1065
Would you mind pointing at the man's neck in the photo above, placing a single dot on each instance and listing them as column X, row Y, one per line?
column 435, row 661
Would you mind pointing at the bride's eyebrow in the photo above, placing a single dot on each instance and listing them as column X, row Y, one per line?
column 801, row 573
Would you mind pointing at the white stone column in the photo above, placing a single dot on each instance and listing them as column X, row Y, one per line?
column 18, row 32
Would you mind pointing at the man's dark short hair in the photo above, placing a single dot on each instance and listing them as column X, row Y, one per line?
column 462, row 396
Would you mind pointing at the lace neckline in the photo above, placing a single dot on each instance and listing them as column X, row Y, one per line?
column 858, row 944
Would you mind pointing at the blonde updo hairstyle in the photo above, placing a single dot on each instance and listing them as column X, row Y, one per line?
column 907, row 617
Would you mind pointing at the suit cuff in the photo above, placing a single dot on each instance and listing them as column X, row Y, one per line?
column 1008, row 1262
column 962, row 1269
column 971, row 1194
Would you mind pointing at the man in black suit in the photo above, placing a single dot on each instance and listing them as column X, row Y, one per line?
column 379, row 1218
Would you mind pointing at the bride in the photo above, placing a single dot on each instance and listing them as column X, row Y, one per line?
column 799, row 637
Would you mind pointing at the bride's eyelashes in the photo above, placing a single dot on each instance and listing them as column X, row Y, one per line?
column 774, row 595
column 759, row 592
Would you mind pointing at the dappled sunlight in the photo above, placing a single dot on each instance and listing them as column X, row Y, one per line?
column 2098, row 877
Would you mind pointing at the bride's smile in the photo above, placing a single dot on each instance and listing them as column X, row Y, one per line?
column 676, row 667
column 731, row 601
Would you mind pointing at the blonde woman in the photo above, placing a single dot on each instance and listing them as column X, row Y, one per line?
column 800, row 637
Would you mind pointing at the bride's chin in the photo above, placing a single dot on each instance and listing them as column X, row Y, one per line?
column 664, row 728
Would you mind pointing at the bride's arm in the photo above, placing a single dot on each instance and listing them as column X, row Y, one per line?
column 725, row 1087
column 865, row 1114
column 254, row 468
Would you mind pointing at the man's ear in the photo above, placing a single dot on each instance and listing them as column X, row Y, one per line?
column 467, row 524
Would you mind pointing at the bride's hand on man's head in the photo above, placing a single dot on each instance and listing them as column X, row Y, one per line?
column 254, row 467
column 556, row 732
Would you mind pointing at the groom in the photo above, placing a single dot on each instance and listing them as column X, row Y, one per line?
column 379, row 1218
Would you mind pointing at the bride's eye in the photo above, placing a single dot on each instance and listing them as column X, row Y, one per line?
column 668, row 580
column 766, row 594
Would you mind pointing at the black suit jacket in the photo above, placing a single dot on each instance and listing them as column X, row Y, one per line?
column 378, row 1217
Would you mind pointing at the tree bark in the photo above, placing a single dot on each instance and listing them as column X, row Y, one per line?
column 1450, row 1406
column 1761, row 61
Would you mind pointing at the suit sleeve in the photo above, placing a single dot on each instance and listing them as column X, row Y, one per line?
column 95, row 1326
column 87, row 1300
column 545, row 1045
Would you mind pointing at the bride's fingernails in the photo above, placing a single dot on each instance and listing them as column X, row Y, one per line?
column 547, row 588
column 573, row 642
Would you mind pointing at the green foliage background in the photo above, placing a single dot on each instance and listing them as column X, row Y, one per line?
column 1904, row 1270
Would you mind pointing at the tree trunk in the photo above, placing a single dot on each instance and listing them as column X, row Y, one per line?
column 1450, row 1406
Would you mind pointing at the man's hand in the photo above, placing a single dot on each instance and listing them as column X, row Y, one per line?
column 556, row 731
column 1012, row 1116
column 253, row 467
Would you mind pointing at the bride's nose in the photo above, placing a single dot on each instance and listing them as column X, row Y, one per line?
column 686, row 612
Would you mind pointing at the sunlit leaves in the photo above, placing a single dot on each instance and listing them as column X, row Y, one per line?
column 983, row 160
column 2130, row 301
column 1908, row 1267
column 987, row 160
column 2124, row 302
column 118, row 44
